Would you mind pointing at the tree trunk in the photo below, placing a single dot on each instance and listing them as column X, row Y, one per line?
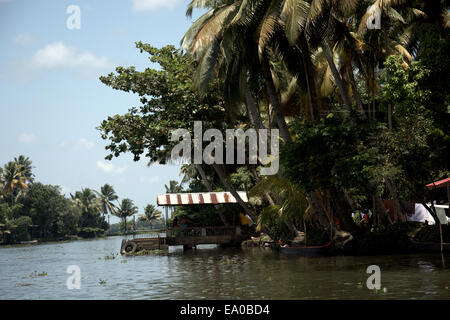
column 318, row 210
column 210, row 189
column 337, row 78
column 356, row 95
column 343, row 211
column 253, row 112
column 309, row 75
column 275, row 102
column 222, row 176
column 266, row 194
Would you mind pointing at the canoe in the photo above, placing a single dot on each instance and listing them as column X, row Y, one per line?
column 309, row 250
column 29, row 242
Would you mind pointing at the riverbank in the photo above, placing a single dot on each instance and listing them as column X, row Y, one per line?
column 75, row 238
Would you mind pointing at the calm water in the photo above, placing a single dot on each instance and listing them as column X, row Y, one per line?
column 212, row 273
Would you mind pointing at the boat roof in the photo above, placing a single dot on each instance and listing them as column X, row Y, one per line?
column 181, row 199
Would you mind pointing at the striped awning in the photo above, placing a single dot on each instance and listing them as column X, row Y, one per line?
column 181, row 199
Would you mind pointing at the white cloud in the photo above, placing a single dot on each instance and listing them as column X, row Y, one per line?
column 26, row 137
column 84, row 144
column 58, row 55
column 109, row 167
column 24, row 39
column 150, row 180
column 154, row 5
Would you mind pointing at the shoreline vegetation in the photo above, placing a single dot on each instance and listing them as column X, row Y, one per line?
column 30, row 210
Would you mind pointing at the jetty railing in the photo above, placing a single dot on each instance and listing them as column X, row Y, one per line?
column 203, row 231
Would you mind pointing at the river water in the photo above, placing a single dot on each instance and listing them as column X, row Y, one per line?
column 39, row 272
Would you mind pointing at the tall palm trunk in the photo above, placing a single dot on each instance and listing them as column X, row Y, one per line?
column 223, row 177
column 253, row 112
column 309, row 75
column 318, row 210
column 343, row 212
column 258, row 179
column 351, row 78
column 275, row 102
column 337, row 78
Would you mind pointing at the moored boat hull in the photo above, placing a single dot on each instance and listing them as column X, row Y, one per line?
column 311, row 250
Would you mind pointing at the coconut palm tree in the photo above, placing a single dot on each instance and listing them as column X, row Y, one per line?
column 150, row 214
column 14, row 178
column 294, row 205
column 126, row 209
column 223, row 39
column 107, row 196
column 87, row 201
column 173, row 187
column 25, row 166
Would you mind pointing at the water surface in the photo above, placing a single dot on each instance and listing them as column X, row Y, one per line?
column 39, row 272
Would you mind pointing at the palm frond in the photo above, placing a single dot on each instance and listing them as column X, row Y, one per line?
column 294, row 14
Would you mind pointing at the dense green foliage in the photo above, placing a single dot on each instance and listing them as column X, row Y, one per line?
column 32, row 210
column 363, row 113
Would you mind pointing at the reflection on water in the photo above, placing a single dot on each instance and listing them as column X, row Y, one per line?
column 39, row 272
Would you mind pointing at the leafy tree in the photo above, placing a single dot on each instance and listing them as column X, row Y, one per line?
column 126, row 209
column 107, row 196
column 14, row 178
column 45, row 205
column 90, row 207
column 150, row 214
column 20, row 232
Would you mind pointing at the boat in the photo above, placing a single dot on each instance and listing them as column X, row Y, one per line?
column 29, row 242
column 307, row 250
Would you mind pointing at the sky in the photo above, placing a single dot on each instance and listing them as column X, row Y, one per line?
column 51, row 99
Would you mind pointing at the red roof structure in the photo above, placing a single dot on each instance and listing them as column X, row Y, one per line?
column 181, row 199
column 439, row 184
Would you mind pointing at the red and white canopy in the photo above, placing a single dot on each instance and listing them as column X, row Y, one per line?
column 181, row 199
column 439, row 184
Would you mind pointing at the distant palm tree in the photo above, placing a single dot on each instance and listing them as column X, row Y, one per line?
column 125, row 210
column 25, row 167
column 151, row 214
column 107, row 196
column 14, row 178
column 87, row 201
column 173, row 187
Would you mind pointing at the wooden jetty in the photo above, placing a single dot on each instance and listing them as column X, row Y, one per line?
column 188, row 238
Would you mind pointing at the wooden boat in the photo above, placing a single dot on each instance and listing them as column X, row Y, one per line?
column 29, row 242
column 308, row 250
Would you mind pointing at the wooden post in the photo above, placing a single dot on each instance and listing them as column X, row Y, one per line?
column 165, row 216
